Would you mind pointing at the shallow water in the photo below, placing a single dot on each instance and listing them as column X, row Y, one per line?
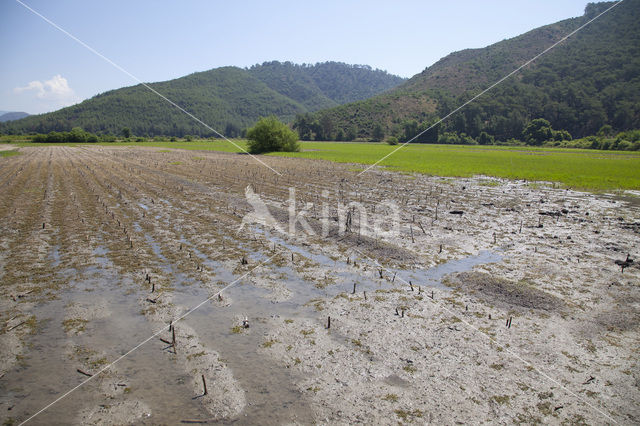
column 151, row 374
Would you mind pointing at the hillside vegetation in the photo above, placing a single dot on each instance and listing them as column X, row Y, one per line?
column 229, row 99
column 590, row 80
column 13, row 115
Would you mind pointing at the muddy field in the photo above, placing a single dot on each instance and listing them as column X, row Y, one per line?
column 494, row 301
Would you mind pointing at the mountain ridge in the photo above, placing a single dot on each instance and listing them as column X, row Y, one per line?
column 12, row 115
column 590, row 80
column 229, row 99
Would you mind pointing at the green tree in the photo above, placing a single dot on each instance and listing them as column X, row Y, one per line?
column 303, row 123
column 410, row 130
column 537, row 131
column 485, row 139
column 378, row 133
column 561, row 135
column 126, row 132
column 392, row 140
column 605, row 131
column 352, row 133
column 271, row 135
column 326, row 124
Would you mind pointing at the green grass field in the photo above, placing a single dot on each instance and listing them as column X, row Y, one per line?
column 581, row 169
column 9, row 153
column 584, row 169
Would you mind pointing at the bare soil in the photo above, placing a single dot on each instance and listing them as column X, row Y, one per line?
column 495, row 302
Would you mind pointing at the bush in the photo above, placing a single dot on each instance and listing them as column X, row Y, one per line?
column 624, row 146
column 537, row 131
column 392, row 140
column 76, row 134
column 485, row 139
column 271, row 135
column 452, row 138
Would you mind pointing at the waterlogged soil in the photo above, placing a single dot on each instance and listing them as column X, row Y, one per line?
column 132, row 278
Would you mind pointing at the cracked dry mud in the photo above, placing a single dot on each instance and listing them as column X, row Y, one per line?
column 513, row 311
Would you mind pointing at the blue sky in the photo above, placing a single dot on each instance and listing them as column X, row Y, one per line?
column 42, row 69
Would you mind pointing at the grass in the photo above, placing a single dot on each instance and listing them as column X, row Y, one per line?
column 582, row 169
column 9, row 153
column 74, row 324
column 407, row 414
column 575, row 168
column 391, row 397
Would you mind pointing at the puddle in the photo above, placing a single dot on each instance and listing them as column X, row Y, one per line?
column 166, row 266
column 50, row 366
column 54, row 256
column 433, row 277
column 272, row 397
column 346, row 274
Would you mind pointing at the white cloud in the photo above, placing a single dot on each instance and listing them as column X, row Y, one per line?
column 53, row 93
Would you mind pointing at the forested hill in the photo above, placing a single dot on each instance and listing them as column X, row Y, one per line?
column 590, row 80
column 326, row 84
column 12, row 115
column 229, row 99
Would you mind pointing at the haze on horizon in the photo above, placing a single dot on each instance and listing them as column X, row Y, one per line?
column 44, row 70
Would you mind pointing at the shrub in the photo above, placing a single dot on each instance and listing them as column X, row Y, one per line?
column 485, row 139
column 392, row 140
column 537, row 131
column 76, row 134
column 561, row 135
column 624, row 146
column 271, row 135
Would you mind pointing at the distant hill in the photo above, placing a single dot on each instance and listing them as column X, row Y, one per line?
column 590, row 80
column 229, row 99
column 11, row 115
